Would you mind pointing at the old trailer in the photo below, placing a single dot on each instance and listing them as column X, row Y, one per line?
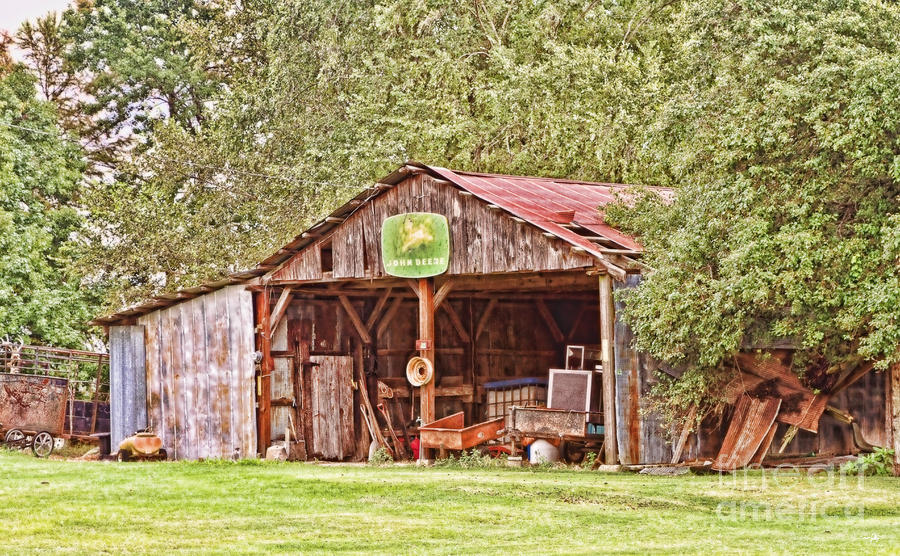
column 572, row 429
column 33, row 411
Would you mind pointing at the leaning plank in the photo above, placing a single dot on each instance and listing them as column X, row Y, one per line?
column 247, row 371
column 215, row 448
column 685, row 432
column 165, row 374
column 750, row 425
column 223, row 394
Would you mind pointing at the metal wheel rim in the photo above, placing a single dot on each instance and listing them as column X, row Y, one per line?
column 14, row 436
column 42, row 444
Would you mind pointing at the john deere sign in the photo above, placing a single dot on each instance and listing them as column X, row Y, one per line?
column 415, row 245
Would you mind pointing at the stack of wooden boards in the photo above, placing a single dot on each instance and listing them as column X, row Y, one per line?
column 767, row 392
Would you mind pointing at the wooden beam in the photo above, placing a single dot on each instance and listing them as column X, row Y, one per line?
column 379, row 307
column 426, row 333
column 264, row 378
column 457, row 323
column 442, row 293
column 545, row 313
column 389, row 316
column 354, row 318
column 577, row 322
column 546, row 280
column 607, row 339
column 281, row 307
column 851, row 377
column 482, row 322
column 414, row 286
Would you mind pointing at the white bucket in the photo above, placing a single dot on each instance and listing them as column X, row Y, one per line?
column 543, row 452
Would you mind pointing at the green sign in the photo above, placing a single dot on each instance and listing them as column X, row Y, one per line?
column 415, row 245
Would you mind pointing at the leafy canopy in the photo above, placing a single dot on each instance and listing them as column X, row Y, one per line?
column 40, row 299
column 782, row 122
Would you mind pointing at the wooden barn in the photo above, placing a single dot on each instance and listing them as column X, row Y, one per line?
column 314, row 343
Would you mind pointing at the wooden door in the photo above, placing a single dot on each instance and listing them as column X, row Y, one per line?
column 332, row 406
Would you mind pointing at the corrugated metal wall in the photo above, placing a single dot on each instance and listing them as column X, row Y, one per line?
column 639, row 435
column 127, row 383
column 200, row 375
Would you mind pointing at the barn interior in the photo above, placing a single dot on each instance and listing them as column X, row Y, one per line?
column 488, row 330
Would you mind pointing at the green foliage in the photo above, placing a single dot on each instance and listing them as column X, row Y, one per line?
column 471, row 459
column 777, row 122
column 590, row 460
column 879, row 462
column 381, row 457
column 785, row 120
column 318, row 99
column 140, row 66
column 41, row 300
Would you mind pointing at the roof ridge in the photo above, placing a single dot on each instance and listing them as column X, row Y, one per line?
column 557, row 180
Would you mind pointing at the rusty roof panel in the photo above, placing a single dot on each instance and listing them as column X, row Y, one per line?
column 749, row 428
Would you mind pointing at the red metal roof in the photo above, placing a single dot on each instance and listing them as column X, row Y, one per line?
column 540, row 200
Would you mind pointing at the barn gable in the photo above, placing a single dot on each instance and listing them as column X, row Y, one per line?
column 484, row 238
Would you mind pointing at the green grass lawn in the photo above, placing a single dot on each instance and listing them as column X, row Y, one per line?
column 70, row 506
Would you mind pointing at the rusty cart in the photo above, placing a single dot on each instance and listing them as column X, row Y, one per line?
column 578, row 432
column 33, row 411
column 450, row 433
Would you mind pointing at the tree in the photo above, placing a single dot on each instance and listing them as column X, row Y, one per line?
column 41, row 300
column 138, row 70
column 780, row 123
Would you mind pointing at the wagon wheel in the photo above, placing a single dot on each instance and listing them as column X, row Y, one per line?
column 42, row 444
column 15, row 437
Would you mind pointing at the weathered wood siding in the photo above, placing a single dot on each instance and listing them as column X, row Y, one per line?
column 127, row 382
column 332, row 407
column 639, row 435
column 282, row 381
column 482, row 240
column 200, row 375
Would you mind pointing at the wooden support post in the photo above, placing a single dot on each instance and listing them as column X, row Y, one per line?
column 264, row 379
column 304, row 344
column 426, row 333
column 607, row 341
